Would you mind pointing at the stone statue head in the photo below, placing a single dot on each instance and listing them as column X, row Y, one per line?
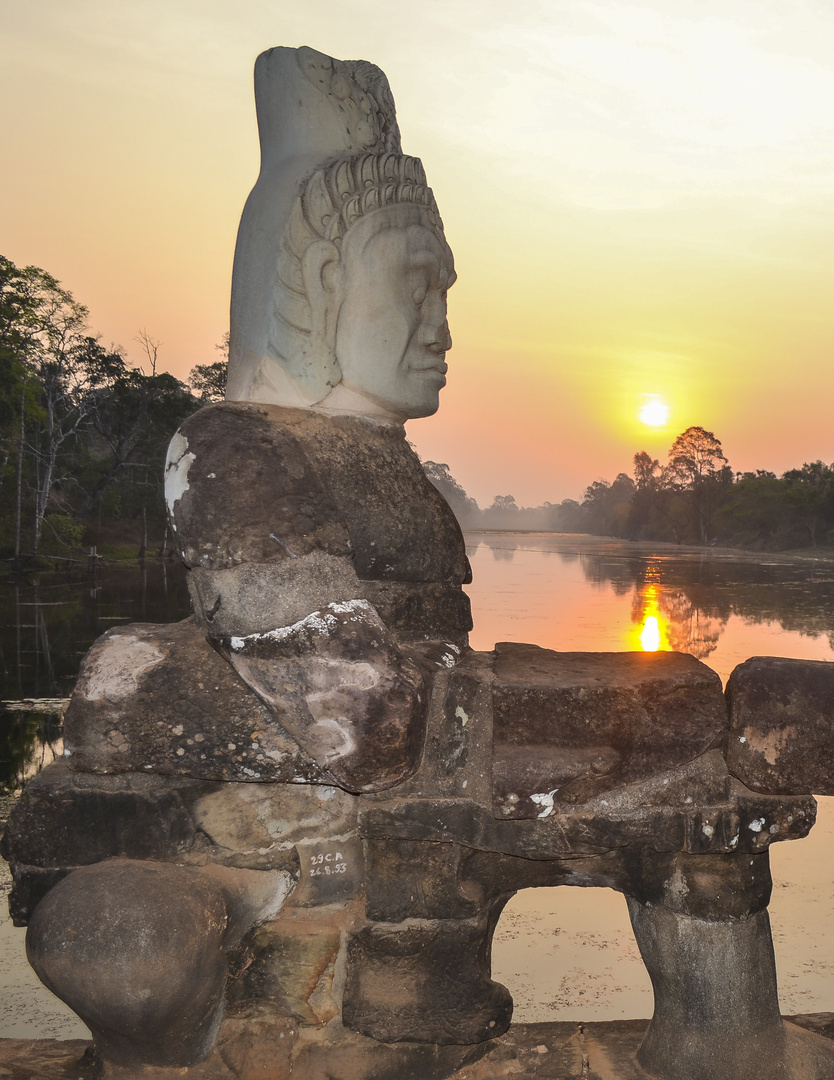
column 351, row 316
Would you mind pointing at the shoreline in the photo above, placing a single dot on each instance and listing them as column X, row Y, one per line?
column 792, row 555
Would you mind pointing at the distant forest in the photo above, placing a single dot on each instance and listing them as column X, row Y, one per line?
column 83, row 437
column 694, row 498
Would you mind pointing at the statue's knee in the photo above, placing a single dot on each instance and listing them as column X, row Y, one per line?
column 137, row 950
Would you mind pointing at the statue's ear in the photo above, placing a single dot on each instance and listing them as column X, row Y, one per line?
column 321, row 272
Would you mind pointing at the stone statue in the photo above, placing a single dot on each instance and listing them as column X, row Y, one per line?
column 314, row 783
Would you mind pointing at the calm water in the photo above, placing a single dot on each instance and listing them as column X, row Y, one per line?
column 588, row 593
column 47, row 623
column 565, row 954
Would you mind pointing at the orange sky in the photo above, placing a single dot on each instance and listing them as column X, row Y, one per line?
column 639, row 194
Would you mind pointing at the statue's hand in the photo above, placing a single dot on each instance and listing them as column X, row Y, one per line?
column 340, row 686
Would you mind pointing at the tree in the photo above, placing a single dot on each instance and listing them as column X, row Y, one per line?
column 755, row 512
column 209, row 380
column 606, row 507
column 465, row 508
column 810, row 496
column 74, row 417
column 699, row 469
column 695, row 455
column 502, row 513
column 133, row 416
column 647, row 472
column 44, row 328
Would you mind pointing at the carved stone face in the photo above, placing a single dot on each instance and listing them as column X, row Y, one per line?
column 391, row 332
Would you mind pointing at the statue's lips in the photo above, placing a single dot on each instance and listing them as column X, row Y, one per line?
column 435, row 367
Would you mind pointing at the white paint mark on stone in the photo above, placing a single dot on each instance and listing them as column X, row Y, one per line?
column 321, row 622
column 180, row 460
column 742, row 738
column 708, row 830
column 545, row 801
column 331, row 736
column 461, row 715
column 756, row 825
column 123, row 660
column 774, row 828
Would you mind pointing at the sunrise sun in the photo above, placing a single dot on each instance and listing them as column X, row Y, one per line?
column 655, row 412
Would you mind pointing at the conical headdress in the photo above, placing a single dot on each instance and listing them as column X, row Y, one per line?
column 330, row 153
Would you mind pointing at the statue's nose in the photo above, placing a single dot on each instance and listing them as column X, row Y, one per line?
column 435, row 336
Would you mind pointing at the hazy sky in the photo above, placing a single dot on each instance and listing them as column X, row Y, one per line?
column 639, row 195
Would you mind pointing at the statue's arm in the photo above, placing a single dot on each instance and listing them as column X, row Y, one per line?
column 272, row 580
column 339, row 684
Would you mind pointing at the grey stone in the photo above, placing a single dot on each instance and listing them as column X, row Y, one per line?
column 290, row 966
column 696, row 808
column 247, row 480
column 782, row 725
column 64, row 820
column 428, row 981
column 568, row 726
column 136, row 949
column 716, row 1005
column 160, row 699
column 267, row 484
column 349, row 697
column 249, row 599
column 260, row 826
column 259, row 1044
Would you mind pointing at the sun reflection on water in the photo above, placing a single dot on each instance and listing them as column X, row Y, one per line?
column 651, row 632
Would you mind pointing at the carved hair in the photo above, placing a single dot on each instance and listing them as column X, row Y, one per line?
column 333, row 199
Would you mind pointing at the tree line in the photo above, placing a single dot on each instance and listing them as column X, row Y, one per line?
column 693, row 497
column 82, row 432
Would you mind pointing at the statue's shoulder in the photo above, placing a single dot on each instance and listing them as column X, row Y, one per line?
column 242, row 422
column 242, row 485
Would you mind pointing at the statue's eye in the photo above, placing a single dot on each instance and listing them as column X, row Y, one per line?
column 419, row 295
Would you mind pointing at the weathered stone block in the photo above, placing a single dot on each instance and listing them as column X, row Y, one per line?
column 426, row 982
column 568, row 726
column 64, row 820
column 418, row 609
column 457, row 759
column 344, row 690
column 30, row 884
column 291, row 964
column 266, row 826
column 240, row 489
column 697, row 808
column 160, row 699
column 782, row 725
